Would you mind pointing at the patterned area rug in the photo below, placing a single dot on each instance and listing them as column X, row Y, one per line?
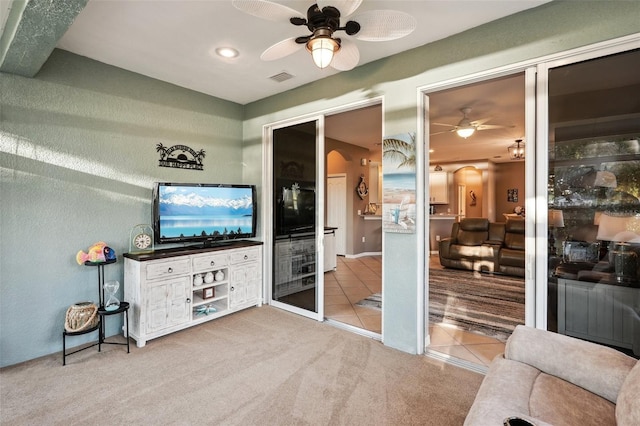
column 483, row 303
column 374, row 301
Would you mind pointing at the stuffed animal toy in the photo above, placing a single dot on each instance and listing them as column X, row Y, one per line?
column 99, row 252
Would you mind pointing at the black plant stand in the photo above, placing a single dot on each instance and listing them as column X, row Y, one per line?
column 102, row 313
column 123, row 308
column 66, row 333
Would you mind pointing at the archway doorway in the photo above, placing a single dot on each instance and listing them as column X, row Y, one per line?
column 353, row 291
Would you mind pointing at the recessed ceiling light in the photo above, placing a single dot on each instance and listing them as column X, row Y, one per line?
column 227, row 52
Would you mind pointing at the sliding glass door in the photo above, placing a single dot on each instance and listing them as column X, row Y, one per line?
column 593, row 199
column 297, row 218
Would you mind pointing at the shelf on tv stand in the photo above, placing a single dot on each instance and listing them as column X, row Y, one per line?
column 178, row 251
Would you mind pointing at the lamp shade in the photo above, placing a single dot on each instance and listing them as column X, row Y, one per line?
column 556, row 218
column 322, row 50
column 465, row 132
column 624, row 229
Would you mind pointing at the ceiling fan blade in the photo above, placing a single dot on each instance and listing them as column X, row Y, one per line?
column 347, row 57
column 383, row 25
column 443, row 124
column 440, row 133
column 492, row 126
column 480, row 122
column 281, row 49
column 266, row 10
column 346, row 7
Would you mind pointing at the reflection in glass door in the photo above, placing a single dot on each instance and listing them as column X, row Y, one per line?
column 594, row 200
column 297, row 271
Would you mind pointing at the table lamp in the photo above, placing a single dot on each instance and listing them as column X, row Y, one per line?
column 623, row 232
column 556, row 220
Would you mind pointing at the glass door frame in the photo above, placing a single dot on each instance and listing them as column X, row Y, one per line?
column 267, row 218
column 595, row 51
column 531, row 237
column 536, row 166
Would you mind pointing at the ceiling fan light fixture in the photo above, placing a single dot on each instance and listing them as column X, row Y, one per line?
column 516, row 151
column 322, row 49
column 465, row 132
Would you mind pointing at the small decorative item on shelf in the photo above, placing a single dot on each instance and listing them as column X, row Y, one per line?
column 141, row 239
column 204, row 310
column 580, row 252
column 197, row 279
column 81, row 316
column 208, row 293
column 112, row 303
column 97, row 253
column 208, row 277
column 219, row 276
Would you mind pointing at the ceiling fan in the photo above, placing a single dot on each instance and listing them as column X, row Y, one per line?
column 323, row 20
column 466, row 127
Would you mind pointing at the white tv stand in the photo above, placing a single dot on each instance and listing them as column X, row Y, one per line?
column 165, row 296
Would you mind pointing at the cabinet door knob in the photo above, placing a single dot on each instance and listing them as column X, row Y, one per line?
column 170, row 270
column 232, row 288
column 188, row 300
column 213, row 262
column 246, row 257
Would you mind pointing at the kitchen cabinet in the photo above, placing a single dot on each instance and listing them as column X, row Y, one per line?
column 439, row 188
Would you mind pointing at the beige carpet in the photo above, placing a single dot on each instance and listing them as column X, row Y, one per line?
column 260, row 366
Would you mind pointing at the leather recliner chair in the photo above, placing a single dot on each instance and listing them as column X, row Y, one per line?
column 511, row 257
column 473, row 245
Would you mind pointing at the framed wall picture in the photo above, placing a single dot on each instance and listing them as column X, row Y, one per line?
column 512, row 195
column 399, row 183
column 208, row 293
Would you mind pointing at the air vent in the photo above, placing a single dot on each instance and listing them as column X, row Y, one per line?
column 283, row 76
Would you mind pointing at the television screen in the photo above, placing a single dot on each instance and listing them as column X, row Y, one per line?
column 203, row 212
column 296, row 211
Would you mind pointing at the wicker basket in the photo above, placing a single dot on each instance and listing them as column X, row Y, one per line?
column 81, row 316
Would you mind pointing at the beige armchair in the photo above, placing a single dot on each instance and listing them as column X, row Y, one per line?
column 553, row 379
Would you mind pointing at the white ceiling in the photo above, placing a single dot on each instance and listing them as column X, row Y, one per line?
column 501, row 100
column 174, row 40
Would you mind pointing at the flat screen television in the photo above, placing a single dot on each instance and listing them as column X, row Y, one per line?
column 296, row 209
column 203, row 213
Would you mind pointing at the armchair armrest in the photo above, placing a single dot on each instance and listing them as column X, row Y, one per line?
column 599, row 369
column 444, row 247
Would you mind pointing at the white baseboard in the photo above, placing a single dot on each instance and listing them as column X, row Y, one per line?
column 366, row 253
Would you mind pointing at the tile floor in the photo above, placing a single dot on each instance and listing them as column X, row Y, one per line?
column 352, row 281
column 452, row 341
column 457, row 343
column 355, row 279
